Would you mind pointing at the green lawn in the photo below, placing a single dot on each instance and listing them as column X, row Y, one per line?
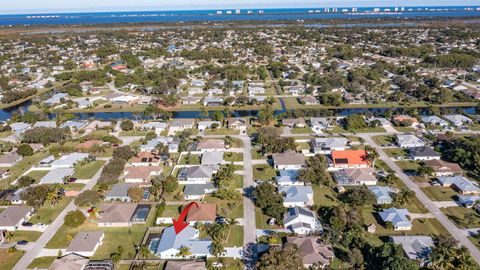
column 228, row 263
column 256, row 154
column 370, row 130
column 231, row 209
column 396, row 152
column 233, row 156
column 235, row 238
column 261, row 220
column 457, row 215
column 305, row 130
column 47, row 213
column 30, row 236
column 8, row 260
column 436, row 193
column 37, row 175
column 41, row 262
column 404, row 129
column 263, row 172
column 303, row 145
column 74, row 186
column 222, row 131
column 324, row 196
column 408, row 165
column 133, row 133
column 171, row 211
column 238, row 181
column 383, row 139
column 427, row 226
column 88, row 170
column 193, row 160
column 237, row 143
column 22, row 166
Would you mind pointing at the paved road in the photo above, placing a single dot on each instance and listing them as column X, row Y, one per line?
column 38, row 246
column 249, row 224
column 458, row 234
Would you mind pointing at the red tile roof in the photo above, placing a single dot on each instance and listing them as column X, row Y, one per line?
column 350, row 157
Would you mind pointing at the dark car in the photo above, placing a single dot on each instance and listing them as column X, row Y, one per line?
column 221, row 220
column 72, row 179
column 22, row 242
column 27, row 224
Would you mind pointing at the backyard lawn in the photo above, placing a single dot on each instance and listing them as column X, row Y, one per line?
column 235, row 238
column 324, row 196
column 47, row 213
column 222, row 131
column 383, row 139
column 233, row 156
column 30, row 236
column 87, row 171
column 408, row 165
column 231, row 209
column 404, row 129
column 23, row 166
column 256, row 154
column 133, row 133
column 192, row 159
column 458, row 215
column 263, row 172
column 8, row 260
column 170, row 211
column 262, row 220
column 305, row 130
column 436, row 193
column 41, row 262
column 37, row 175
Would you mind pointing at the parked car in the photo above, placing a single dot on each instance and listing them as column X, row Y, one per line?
column 72, row 179
column 27, row 224
column 22, row 242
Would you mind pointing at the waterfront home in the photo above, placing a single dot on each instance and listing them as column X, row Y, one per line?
column 294, row 122
column 86, row 243
column 171, row 243
column 327, row 145
column 158, row 127
column 190, row 100
column 416, row 247
column 213, row 101
column 13, row 217
column 313, row 251
column 296, row 196
column 48, row 124
column 320, row 123
column 74, row 125
column 434, row 120
column 458, row 120
column 382, row 194
column 237, row 123
column 203, row 125
column 409, row 141
column 19, row 127
column 180, row 124
column 56, row 99
column 424, row 153
column 406, row 120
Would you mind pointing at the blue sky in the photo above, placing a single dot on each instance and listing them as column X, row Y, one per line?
column 31, row 6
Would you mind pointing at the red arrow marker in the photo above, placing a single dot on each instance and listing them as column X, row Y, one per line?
column 180, row 223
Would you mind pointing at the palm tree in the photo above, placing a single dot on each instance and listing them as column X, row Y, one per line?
column 390, row 179
column 144, row 251
column 372, row 155
column 12, row 250
column 217, row 249
column 115, row 257
column 184, row 252
column 53, row 196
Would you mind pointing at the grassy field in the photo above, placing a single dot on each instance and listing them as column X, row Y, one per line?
column 47, row 213
column 133, row 133
column 408, row 165
column 428, row 226
column 383, row 139
column 193, row 160
column 436, row 193
column 396, row 152
column 261, row 220
column 8, row 260
column 263, row 172
column 37, row 175
column 233, row 156
column 404, row 129
column 370, row 130
column 305, row 130
column 30, row 236
column 222, row 131
column 235, row 238
column 324, row 196
column 457, row 215
column 256, row 154
column 88, row 170
column 171, row 211
column 237, row 143
column 42, row 262
column 231, row 209
column 228, row 263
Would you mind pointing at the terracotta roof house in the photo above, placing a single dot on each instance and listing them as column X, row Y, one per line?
column 86, row 243
column 140, row 174
column 116, row 215
column 211, row 145
column 12, row 217
column 288, row 160
column 406, row 120
column 349, row 159
column 443, row 168
column 185, row 265
column 294, row 122
column 204, row 213
column 313, row 251
column 237, row 123
column 145, row 159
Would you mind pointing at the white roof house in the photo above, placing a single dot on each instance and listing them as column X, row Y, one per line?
column 171, row 242
column 296, row 195
column 301, row 221
column 56, row 175
column 202, row 125
column 382, row 194
column 458, row 119
column 434, row 120
column 326, row 145
column 398, row 218
column 212, row 158
column 68, row 161
column 408, row 141
column 156, row 126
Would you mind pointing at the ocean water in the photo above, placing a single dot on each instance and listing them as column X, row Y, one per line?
column 236, row 15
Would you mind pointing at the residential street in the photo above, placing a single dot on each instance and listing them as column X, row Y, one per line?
column 37, row 247
column 458, row 234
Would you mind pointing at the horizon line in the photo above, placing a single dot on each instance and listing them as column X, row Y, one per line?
column 201, row 8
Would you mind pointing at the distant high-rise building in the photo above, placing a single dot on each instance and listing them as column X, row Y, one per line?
column 237, row 11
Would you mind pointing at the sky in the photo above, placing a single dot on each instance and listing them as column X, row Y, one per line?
column 52, row 6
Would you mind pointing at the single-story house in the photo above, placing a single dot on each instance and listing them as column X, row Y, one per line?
column 203, row 125
column 417, row 248
column 140, row 174
column 409, row 141
column 75, row 125
column 301, row 221
column 196, row 192
column 349, row 159
column 13, row 217
column 56, row 176
column 180, row 124
column 296, row 195
column 406, row 120
column 424, row 153
column 119, row 192
column 398, row 218
column 48, row 124
column 69, row 161
column 9, row 160
column 382, row 194
column 116, row 214
column 309, row 100
column 204, row 213
column 288, row 178
column 19, row 127
column 237, row 123
column 171, row 242
column 158, row 127
column 443, row 168
column 313, row 251
column 86, row 243
column 468, row 200
column 212, row 158
column 185, row 265
column 327, row 145
column 320, row 123
column 196, row 174
column 459, row 183
column 294, row 122
column 289, row 160
column 70, row 261
column 434, row 120
column 355, row 177
column 211, row 145
column 145, row 159
column 458, row 120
